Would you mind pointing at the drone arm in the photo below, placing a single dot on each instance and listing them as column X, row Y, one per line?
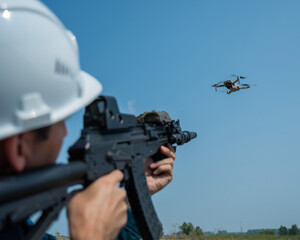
column 245, row 86
column 237, row 80
column 216, row 86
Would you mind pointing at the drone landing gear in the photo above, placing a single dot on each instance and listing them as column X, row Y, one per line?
column 228, row 92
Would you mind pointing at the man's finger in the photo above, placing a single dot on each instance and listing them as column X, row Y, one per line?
column 166, row 161
column 168, row 152
column 115, row 176
column 166, row 169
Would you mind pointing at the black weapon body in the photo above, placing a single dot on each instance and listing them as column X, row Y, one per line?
column 109, row 140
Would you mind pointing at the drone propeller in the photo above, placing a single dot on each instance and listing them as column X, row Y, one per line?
column 215, row 86
column 242, row 77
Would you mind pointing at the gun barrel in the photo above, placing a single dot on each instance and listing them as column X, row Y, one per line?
column 182, row 137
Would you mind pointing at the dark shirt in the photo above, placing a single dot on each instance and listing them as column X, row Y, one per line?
column 17, row 232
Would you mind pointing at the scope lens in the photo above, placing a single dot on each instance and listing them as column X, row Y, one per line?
column 101, row 106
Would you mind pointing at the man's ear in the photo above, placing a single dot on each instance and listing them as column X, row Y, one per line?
column 14, row 151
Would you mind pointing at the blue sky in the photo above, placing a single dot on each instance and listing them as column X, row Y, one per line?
column 165, row 55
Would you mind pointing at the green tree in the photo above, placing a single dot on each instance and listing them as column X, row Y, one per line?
column 187, row 228
column 198, row 231
column 191, row 228
column 294, row 230
column 184, row 228
column 283, row 231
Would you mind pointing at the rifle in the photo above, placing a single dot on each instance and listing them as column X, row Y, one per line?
column 109, row 140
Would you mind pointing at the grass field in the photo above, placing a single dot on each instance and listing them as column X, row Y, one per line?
column 238, row 237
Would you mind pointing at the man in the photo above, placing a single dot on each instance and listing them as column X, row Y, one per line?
column 41, row 84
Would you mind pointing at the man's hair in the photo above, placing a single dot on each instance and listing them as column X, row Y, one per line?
column 42, row 133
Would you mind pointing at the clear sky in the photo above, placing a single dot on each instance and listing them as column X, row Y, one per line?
column 165, row 55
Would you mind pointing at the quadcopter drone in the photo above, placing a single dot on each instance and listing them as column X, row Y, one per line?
column 232, row 86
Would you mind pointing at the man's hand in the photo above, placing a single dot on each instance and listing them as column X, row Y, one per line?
column 160, row 173
column 99, row 211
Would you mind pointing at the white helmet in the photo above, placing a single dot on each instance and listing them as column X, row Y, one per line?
column 40, row 78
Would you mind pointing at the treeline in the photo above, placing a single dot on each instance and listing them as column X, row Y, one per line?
column 282, row 231
column 188, row 231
